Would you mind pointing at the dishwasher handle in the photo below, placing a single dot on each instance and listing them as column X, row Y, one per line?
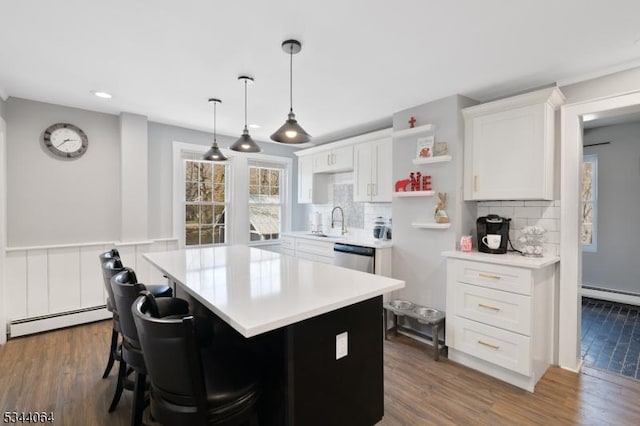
column 357, row 250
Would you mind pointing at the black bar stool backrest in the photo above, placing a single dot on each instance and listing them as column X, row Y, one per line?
column 126, row 289
column 110, row 267
column 170, row 343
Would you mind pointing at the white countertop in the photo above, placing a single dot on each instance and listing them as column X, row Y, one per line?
column 256, row 291
column 509, row 259
column 357, row 240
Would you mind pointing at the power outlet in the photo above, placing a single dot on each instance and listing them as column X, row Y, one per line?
column 342, row 345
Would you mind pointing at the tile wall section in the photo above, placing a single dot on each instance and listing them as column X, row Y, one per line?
column 360, row 217
column 525, row 213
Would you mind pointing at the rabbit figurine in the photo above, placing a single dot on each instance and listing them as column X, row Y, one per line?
column 441, row 215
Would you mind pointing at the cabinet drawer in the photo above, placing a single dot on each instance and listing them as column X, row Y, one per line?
column 314, row 247
column 499, row 277
column 287, row 243
column 314, row 257
column 497, row 308
column 503, row 348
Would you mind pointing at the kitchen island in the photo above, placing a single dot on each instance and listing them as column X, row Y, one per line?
column 316, row 327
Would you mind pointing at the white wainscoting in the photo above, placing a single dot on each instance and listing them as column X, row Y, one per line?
column 49, row 287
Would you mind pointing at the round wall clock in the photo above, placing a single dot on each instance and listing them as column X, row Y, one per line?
column 66, row 140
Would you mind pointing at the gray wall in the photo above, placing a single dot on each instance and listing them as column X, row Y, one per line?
column 161, row 138
column 3, row 109
column 56, row 201
column 606, row 86
column 417, row 255
column 615, row 266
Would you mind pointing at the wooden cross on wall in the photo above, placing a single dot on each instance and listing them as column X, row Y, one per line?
column 412, row 122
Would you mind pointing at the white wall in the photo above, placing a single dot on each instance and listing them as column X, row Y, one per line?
column 161, row 137
column 615, row 265
column 58, row 201
column 3, row 226
column 416, row 252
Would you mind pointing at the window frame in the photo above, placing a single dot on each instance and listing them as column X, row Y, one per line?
column 282, row 196
column 593, row 247
column 237, row 177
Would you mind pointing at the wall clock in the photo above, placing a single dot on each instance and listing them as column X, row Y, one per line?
column 65, row 140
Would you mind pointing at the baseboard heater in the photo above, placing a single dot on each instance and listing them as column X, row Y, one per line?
column 611, row 295
column 53, row 321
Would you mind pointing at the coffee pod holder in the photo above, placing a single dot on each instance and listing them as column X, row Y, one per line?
column 532, row 240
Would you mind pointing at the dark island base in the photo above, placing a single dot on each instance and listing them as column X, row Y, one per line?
column 304, row 383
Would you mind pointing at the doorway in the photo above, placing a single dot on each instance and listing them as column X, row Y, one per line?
column 570, row 300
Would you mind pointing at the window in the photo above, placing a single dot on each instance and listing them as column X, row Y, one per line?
column 205, row 202
column 265, row 201
column 589, row 199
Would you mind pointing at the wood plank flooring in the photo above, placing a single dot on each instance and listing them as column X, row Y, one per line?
column 60, row 371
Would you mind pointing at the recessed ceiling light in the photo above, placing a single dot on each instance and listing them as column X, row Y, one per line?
column 254, row 126
column 100, row 94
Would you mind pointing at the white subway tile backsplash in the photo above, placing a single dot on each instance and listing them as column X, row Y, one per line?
column 551, row 213
column 527, row 212
column 524, row 213
column 483, row 211
column 538, row 203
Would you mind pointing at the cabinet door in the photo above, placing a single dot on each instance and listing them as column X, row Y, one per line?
column 364, row 155
column 342, row 159
column 381, row 172
column 305, row 179
column 511, row 154
column 322, row 162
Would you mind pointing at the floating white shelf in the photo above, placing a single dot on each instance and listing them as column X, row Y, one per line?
column 431, row 225
column 414, row 194
column 426, row 128
column 430, row 160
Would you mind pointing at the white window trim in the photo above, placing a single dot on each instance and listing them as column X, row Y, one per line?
column 593, row 247
column 285, row 192
column 238, row 184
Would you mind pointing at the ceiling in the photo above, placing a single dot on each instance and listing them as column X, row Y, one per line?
column 361, row 60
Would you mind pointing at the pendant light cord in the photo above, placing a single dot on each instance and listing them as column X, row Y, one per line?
column 291, row 78
column 214, row 121
column 245, row 104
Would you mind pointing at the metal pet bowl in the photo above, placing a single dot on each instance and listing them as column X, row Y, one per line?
column 426, row 312
column 402, row 305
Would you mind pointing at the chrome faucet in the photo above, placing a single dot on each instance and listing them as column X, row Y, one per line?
column 343, row 229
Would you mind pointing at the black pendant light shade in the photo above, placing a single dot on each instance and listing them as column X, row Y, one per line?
column 214, row 154
column 291, row 131
column 245, row 143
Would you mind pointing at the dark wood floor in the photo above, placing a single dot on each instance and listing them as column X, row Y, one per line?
column 60, row 371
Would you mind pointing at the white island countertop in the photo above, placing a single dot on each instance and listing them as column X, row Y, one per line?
column 256, row 291
column 509, row 259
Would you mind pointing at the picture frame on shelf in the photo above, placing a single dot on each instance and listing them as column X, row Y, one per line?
column 440, row 148
column 425, row 147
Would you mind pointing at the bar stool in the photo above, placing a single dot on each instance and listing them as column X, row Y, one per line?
column 208, row 385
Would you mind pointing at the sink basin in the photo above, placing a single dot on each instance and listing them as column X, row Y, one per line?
column 401, row 304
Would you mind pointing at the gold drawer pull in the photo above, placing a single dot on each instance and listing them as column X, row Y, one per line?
column 489, row 345
column 493, row 308
column 485, row 275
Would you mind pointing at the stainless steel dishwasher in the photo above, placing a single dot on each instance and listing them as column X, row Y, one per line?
column 354, row 257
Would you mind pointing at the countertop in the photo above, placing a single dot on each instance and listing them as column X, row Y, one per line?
column 357, row 240
column 509, row 259
column 256, row 291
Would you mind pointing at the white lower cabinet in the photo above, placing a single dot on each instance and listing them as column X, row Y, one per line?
column 500, row 317
column 318, row 251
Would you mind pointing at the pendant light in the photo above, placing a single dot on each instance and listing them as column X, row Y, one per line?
column 214, row 154
column 291, row 132
column 245, row 143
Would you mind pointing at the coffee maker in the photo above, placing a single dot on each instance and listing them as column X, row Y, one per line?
column 493, row 226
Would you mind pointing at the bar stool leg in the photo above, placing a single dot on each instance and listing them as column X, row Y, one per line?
column 435, row 331
column 138, row 399
column 119, row 386
column 112, row 353
column 395, row 324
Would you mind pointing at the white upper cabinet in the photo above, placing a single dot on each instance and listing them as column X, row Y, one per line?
column 334, row 160
column 372, row 171
column 311, row 188
column 509, row 147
